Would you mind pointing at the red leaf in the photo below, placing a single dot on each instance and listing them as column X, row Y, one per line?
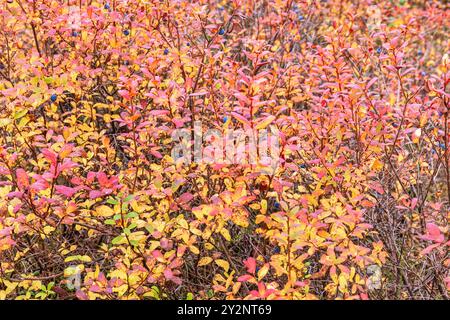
column 250, row 263
column 22, row 178
column 102, row 179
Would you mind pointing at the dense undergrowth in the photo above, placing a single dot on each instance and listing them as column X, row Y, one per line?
column 94, row 206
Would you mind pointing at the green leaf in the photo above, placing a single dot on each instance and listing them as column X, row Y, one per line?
column 84, row 258
column 40, row 295
column 156, row 289
column 20, row 114
column 48, row 80
column 117, row 239
column 132, row 215
column 50, row 285
column 128, row 198
column 112, row 201
column 72, row 258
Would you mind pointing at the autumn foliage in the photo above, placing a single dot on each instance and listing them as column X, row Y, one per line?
column 94, row 206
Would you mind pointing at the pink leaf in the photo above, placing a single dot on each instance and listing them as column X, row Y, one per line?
column 15, row 194
column 49, row 155
column 178, row 123
column 40, row 185
column 433, row 233
column 201, row 93
column 95, row 194
column 250, row 263
column 244, row 278
column 125, row 94
column 254, row 293
column 413, row 203
column 156, row 154
column 186, row 197
column 371, row 82
column 428, row 249
column 159, row 112
column 241, row 119
column 67, row 191
column 81, row 295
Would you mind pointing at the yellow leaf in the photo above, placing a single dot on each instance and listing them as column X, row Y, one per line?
column 224, row 264
column 342, row 283
column 84, row 35
column 323, row 234
column 236, row 287
column 202, row 211
column 224, row 232
column 48, row 229
column 65, row 151
column 263, row 271
column 198, row 213
column 392, row 99
column 204, row 261
column 259, row 218
column 263, row 206
column 104, row 211
column 85, row 258
column 264, row 123
column 194, row 249
column 376, row 165
column 183, row 223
